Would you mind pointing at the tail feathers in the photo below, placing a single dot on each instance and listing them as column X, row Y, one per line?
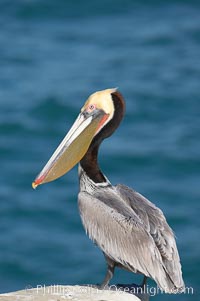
column 167, row 275
column 168, row 285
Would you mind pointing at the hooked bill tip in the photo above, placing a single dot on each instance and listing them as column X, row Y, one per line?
column 38, row 180
column 34, row 185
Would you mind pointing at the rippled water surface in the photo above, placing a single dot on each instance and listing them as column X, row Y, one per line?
column 53, row 54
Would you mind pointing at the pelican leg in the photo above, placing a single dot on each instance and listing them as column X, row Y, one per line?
column 108, row 277
column 144, row 282
column 109, row 273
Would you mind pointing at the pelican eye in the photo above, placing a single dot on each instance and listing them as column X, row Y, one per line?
column 91, row 108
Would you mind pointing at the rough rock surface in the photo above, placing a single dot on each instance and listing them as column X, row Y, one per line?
column 72, row 293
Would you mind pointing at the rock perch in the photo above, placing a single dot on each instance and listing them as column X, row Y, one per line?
column 68, row 292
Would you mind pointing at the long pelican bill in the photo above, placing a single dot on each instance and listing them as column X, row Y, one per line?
column 72, row 148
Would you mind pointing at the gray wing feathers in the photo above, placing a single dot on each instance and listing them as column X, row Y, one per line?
column 160, row 231
column 123, row 234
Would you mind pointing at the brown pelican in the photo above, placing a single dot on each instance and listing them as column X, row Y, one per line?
column 130, row 230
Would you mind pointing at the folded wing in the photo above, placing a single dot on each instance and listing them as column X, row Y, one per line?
column 128, row 235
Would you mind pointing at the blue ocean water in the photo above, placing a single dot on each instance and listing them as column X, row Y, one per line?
column 53, row 55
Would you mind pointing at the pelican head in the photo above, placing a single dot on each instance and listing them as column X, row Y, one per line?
column 96, row 113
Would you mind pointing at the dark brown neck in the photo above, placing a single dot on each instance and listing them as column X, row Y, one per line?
column 90, row 162
column 90, row 165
